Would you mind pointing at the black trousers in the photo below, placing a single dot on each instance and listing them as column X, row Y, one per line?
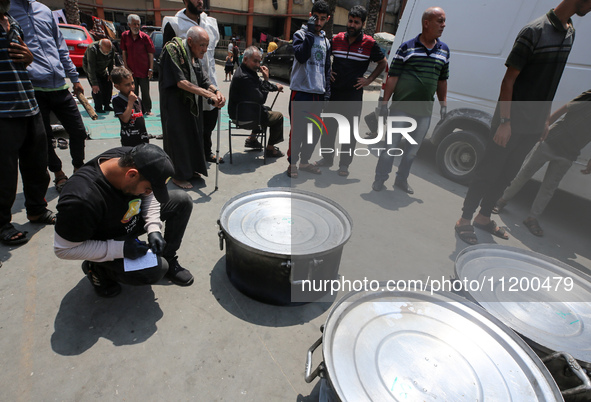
column 354, row 99
column 299, row 148
column 103, row 97
column 498, row 168
column 23, row 147
column 210, row 119
column 64, row 106
column 143, row 85
column 175, row 213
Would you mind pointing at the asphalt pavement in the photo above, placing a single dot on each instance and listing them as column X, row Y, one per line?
column 209, row 342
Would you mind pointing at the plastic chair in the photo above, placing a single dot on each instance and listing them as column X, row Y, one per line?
column 248, row 117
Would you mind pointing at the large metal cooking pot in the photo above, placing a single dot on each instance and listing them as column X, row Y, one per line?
column 278, row 238
column 526, row 291
column 417, row 346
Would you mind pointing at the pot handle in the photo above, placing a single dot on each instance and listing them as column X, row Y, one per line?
column 222, row 237
column 576, row 369
column 318, row 372
column 314, row 264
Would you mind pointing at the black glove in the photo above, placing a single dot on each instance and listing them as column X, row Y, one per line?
column 157, row 242
column 443, row 112
column 133, row 248
column 312, row 24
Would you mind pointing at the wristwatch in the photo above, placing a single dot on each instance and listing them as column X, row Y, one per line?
column 150, row 69
column 505, row 120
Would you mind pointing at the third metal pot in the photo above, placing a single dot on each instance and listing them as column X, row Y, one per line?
column 417, row 346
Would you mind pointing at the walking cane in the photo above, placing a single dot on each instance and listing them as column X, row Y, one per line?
column 217, row 150
column 273, row 104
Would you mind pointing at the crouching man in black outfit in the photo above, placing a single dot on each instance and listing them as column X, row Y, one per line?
column 109, row 202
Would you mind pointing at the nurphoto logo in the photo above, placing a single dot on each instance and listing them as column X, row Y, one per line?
column 394, row 125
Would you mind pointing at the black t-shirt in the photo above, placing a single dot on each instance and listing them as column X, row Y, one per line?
column 134, row 131
column 90, row 208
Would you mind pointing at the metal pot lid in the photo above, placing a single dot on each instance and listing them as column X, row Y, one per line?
column 286, row 221
column 553, row 317
column 416, row 346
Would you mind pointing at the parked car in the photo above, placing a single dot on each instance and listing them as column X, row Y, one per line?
column 157, row 37
column 149, row 29
column 280, row 61
column 78, row 39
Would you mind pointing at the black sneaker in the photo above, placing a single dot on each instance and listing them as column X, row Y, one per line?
column 108, row 108
column 404, row 187
column 103, row 286
column 378, row 185
column 253, row 143
column 177, row 274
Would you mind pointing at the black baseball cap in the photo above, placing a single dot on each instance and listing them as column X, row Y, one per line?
column 155, row 166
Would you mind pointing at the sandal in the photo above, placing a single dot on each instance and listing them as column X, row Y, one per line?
column 493, row 229
column 324, row 163
column 62, row 143
column 184, row 184
column 310, row 168
column 7, row 233
column 60, row 182
column 46, row 218
column 499, row 206
column 274, row 153
column 466, row 234
column 343, row 171
column 533, row 226
column 292, row 171
column 211, row 158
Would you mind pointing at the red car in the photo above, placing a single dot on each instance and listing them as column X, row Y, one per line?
column 78, row 39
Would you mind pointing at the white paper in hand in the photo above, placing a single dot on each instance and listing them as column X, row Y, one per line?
column 147, row 261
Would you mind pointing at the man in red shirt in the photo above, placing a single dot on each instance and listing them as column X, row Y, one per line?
column 138, row 57
column 352, row 52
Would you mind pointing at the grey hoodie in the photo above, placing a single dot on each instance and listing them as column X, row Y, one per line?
column 311, row 66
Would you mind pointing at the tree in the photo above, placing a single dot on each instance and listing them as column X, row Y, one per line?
column 72, row 12
column 373, row 12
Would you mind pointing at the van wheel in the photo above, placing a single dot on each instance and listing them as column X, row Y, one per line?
column 458, row 155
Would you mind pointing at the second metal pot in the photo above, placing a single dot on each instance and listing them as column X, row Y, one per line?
column 280, row 242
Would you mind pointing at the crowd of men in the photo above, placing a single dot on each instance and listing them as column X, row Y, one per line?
column 122, row 193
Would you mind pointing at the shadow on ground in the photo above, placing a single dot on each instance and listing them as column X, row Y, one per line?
column 250, row 310
column 83, row 318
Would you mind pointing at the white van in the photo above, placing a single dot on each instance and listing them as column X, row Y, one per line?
column 480, row 35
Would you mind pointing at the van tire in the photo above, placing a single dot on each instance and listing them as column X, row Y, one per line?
column 458, row 155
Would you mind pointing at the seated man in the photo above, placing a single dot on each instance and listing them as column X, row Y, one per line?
column 247, row 86
column 111, row 200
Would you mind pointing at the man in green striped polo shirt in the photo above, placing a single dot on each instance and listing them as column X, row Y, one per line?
column 419, row 69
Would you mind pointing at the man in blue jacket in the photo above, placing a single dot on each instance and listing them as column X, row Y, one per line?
column 310, row 83
column 48, row 72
